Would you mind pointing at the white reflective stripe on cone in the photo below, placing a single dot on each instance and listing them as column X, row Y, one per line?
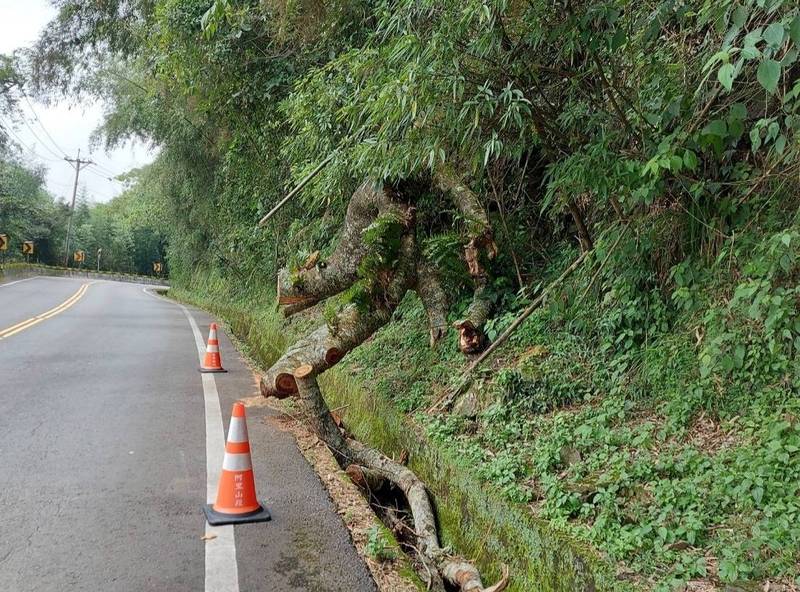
column 236, row 462
column 212, row 349
column 237, row 432
column 212, row 334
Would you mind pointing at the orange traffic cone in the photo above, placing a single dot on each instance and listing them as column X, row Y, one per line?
column 236, row 495
column 212, row 362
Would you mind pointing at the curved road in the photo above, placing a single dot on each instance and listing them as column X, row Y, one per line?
column 103, row 455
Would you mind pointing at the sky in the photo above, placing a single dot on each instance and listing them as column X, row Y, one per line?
column 69, row 126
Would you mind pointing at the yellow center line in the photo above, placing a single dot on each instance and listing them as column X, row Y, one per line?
column 28, row 323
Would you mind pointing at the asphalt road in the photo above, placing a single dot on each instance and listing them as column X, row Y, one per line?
column 103, row 455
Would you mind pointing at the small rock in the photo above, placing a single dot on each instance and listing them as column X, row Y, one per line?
column 467, row 406
column 569, row 455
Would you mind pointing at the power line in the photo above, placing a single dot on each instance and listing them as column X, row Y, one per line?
column 108, row 171
column 44, row 129
column 103, row 168
column 60, row 184
column 33, row 152
column 105, row 173
column 43, row 144
column 28, row 148
column 104, row 177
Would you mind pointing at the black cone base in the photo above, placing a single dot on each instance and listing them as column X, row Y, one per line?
column 219, row 519
column 211, row 370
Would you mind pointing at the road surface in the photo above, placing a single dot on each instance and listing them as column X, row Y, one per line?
column 103, row 435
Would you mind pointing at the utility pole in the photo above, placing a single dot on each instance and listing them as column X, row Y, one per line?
column 99, row 253
column 78, row 165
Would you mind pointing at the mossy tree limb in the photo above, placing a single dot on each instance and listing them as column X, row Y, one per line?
column 349, row 328
column 454, row 570
column 480, row 249
column 378, row 257
column 301, row 288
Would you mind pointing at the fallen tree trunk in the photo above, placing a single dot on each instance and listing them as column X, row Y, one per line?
column 454, row 570
column 377, row 261
column 349, row 328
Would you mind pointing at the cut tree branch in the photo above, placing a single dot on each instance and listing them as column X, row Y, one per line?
column 447, row 398
column 472, row 339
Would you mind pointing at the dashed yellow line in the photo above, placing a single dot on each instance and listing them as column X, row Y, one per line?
column 28, row 323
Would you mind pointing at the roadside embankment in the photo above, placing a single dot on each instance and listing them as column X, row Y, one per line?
column 475, row 519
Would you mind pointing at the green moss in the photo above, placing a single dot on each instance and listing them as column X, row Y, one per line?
column 383, row 239
column 360, row 295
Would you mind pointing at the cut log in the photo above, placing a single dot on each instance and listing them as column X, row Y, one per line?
column 471, row 339
column 303, row 371
column 333, row 356
column 322, row 348
column 285, row 386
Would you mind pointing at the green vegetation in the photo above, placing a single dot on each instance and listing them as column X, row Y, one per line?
column 474, row 517
column 28, row 212
column 650, row 409
column 379, row 544
column 126, row 229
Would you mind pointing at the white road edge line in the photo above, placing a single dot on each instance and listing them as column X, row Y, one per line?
column 18, row 281
column 222, row 574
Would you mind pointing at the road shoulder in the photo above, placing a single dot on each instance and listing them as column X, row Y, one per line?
column 306, row 547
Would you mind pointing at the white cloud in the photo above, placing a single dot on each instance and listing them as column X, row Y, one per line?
column 70, row 126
